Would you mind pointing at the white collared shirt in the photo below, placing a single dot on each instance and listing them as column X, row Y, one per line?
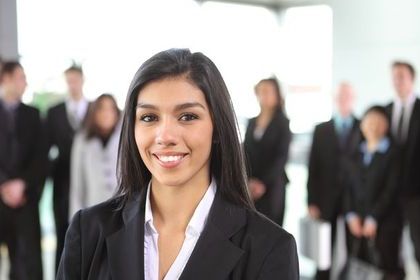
column 192, row 233
column 396, row 114
column 80, row 107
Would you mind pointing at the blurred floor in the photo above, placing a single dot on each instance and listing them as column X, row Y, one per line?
column 295, row 209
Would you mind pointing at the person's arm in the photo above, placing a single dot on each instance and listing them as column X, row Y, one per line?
column 35, row 172
column 70, row 263
column 281, row 150
column 281, row 262
column 77, row 174
column 389, row 191
column 313, row 171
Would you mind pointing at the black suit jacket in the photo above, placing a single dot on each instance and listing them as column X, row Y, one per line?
column 371, row 190
column 409, row 158
column 31, row 162
column 60, row 134
column 267, row 157
column 325, row 175
column 106, row 243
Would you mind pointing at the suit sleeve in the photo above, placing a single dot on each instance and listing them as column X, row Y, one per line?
column 36, row 171
column 389, row 192
column 282, row 261
column 70, row 263
column 77, row 185
column 313, row 172
column 282, row 152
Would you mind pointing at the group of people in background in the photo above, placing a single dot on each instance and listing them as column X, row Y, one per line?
column 367, row 171
column 363, row 170
column 75, row 145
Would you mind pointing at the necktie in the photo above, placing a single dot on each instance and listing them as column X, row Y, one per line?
column 400, row 128
column 74, row 118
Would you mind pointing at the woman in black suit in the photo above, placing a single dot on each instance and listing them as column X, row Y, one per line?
column 370, row 199
column 182, row 210
column 266, row 146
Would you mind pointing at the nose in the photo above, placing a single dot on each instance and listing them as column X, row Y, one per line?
column 166, row 133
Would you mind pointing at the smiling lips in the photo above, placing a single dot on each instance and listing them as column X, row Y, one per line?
column 169, row 160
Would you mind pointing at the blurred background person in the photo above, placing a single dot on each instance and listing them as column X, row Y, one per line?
column 94, row 156
column 371, row 200
column 22, row 175
column 332, row 141
column 405, row 128
column 63, row 121
column 266, row 145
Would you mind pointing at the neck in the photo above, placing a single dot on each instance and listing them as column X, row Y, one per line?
column 372, row 144
column 173, row 206
column 76, row 96
column 405, row 97
column 267, row 113
column 10, row 98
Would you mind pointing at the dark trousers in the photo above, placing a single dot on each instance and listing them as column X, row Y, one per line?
column 411, row 210
column 61, row 216
column 385, row 247
column 20, row 231
column 272, row 203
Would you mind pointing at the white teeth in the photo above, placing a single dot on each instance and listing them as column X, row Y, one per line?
column 169, row 158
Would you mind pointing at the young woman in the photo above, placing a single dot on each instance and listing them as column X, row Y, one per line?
column 182, row 209
column 94, row 156
column 371, row 201
column 266, row 146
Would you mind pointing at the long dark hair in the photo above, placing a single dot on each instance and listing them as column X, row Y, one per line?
column 227, row 160
column 277, row 88
column 91, row 127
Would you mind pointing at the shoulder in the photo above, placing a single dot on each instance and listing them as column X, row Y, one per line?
column 266, row 231
column 29, row 109
column 55, row 109
column 273, row 247
column 97, row 220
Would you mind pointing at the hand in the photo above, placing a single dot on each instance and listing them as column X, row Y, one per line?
column 12, row 193
column 355, row 225
column 314, row 211
column 369, row 229
column 257, row 188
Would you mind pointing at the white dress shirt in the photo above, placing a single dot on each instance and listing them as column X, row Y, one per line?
column 192, row 233
column 396, row 114
column 76, row 111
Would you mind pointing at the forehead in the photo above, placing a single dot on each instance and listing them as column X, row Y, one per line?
column 376, row 116
column 171, row 91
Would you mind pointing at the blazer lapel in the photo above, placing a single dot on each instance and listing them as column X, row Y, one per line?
column 125, row 247
column 214, row 255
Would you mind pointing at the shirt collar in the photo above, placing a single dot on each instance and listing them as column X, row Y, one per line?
column 382, row 147
column 199, row 218
column 410, row 100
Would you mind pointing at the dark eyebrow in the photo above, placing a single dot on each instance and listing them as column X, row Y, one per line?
column 179, row 107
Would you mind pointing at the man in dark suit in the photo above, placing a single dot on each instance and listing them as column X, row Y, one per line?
column 332, row 142
column 63, row 120
column 405, row 127
column 22, row 175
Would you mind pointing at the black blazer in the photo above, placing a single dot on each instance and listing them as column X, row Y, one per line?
column 267, row 157
column 104, row 242
column 60, row 134
column 31, row 162
column 371, row 190
column 410, row 155
column 325, row 185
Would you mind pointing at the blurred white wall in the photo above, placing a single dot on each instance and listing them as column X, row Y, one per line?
column 367, row 37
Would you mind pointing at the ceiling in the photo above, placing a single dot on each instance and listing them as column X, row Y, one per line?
column 269, row 3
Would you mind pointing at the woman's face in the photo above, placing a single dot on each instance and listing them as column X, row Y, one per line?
column 106, row 115
column 173, row 132
column 374, row 126
column 266, row 95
